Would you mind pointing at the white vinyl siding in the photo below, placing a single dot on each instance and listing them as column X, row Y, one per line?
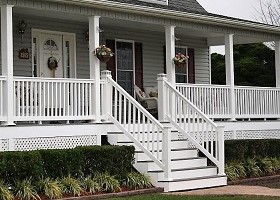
column 153, row 44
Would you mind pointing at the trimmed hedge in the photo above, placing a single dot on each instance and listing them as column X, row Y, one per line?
column 58, row 163
column 243, row 149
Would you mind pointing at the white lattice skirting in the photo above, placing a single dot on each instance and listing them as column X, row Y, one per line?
column 63, row 142
column 252, row 134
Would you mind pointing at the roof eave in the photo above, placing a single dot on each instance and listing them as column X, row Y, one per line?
column 171, row 14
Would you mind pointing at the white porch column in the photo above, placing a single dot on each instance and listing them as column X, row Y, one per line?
column 7, row 61
column 277, row 62
column 94, row 64
column 230, row 74
column 170, row 53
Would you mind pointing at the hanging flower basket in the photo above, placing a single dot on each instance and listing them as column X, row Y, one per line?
column 103, row 53
column 103, row 58
column 180, row 60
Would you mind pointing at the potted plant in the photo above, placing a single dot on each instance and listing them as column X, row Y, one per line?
column 103, row 53
column 180, row 60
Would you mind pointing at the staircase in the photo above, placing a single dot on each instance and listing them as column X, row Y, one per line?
column 171, row 161
column 188, row 170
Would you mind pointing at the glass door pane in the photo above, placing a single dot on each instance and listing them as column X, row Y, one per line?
column 125, row 65
column 181, row 72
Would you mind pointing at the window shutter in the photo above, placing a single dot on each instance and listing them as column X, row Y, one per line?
column 139, row 65
column 191, row 70
column 111, row 64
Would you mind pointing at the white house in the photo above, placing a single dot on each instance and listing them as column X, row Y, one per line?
column 42, row 106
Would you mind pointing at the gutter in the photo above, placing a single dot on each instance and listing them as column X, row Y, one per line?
column 176, row 15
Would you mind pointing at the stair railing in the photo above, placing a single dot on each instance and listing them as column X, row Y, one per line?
column 201, row 132
column 147, row 133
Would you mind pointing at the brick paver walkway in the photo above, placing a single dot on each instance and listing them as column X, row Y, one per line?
column 235, row 190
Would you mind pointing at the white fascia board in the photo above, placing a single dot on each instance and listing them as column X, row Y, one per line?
column 177, row 15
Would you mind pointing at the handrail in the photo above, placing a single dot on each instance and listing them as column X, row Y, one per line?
column 136, row 123
column 190, row 121
column 44, row 79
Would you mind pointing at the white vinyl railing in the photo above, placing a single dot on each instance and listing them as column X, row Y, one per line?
column 2, row 79
column 257, row 102
column 212, row 100
column 39, row 99
column 137, row 123
column 190, row 121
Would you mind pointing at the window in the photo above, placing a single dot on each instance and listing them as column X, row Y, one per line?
column 50, row 45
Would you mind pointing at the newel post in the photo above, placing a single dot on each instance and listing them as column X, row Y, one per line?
column 221, row 150
column 166, row 152
column 162, row 103
column 106, row 97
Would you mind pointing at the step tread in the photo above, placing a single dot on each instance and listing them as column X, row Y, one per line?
column 176, row 159
column 183, row 169
column 177, row 149
column 196, row 178
column 128, row 142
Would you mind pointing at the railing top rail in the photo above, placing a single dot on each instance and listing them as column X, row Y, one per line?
column 201, row 85
column 2, row 77
column 191, row 104
column 256, row 88
column 133, row 101
column 43, row 79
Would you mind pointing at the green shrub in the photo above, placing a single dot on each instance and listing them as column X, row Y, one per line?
column 5, row 193
column 235, row 170
column 71, row 186
column 243, row 149
column 59, row 163
column 115, row 160
column 20, row 165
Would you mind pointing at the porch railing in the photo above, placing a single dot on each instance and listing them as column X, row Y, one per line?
column 257, row 102
column 39, row 99
column 250, row 102
column 212, row 100
column 2, row 80
column 192, row 123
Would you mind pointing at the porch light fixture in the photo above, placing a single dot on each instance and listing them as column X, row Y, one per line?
column 86, row 35
column 21, row 28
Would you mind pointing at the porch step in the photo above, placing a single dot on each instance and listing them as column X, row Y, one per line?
column 121, row 137
column 175, row 154
column 185, row 173
column 175, row 144
column 192, row 183
column 175, row 164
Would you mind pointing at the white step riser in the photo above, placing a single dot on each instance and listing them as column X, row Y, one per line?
column 193, row 184
column 185, row 174
column 177, row 164
column 174, row 155
column 123, row 138
column 174, row 145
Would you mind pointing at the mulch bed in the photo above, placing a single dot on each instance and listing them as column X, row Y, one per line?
column 267, row 181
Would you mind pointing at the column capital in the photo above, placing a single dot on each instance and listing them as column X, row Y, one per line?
column 7, row 5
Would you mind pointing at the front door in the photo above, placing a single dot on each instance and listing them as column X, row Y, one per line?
column 54, row 54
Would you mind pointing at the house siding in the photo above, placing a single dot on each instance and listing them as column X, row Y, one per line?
column 153, row 43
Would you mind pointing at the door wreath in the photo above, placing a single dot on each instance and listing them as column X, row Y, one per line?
column 52, row 63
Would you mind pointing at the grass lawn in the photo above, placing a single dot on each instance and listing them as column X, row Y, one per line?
column 182, row 197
